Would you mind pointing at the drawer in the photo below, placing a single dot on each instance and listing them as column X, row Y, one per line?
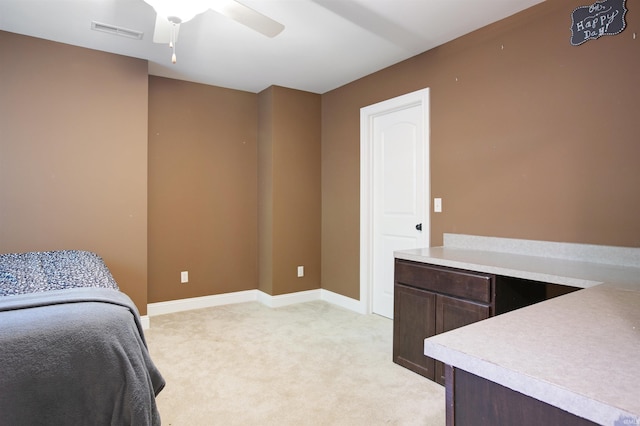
column 454, row 282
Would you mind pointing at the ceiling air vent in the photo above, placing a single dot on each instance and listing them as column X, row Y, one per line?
column 112, row 29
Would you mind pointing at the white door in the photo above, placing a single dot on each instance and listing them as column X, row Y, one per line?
column 398, row 190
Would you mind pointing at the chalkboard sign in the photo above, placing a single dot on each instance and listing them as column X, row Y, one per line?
column 601, row 18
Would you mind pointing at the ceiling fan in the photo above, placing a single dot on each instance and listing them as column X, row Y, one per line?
column 170, row 14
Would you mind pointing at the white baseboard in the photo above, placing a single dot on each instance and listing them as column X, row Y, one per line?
column 172, row 306
column 288, row 299
column 344, row 302
column 144, row 322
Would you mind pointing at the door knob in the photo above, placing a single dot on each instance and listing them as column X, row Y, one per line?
column 419, row 227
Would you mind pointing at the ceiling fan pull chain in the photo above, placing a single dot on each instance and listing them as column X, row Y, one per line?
column 172, row 42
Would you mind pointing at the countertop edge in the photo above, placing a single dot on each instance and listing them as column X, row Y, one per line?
column 541, row 390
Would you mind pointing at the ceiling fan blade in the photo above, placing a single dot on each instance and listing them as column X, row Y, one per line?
column 162, row 30
column 249, row 17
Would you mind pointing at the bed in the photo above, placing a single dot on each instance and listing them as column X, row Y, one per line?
column 72, row 348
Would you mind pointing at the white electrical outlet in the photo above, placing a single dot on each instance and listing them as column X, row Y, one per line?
column 437, row 205
column 300, row 271
column 184, row 277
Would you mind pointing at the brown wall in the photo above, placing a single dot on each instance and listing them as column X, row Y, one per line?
column 530, row 137
column 290, row 209
column 73, row 155
column 202, row 189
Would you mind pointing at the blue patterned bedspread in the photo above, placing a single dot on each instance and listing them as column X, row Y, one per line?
column 34, row 272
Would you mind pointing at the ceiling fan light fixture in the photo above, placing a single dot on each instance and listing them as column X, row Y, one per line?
column 178, row 11
column 170, row 14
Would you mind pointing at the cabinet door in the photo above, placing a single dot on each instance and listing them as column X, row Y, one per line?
column 413, row 321
column 452, row 313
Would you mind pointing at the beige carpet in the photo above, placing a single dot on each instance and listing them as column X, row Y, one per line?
column 305, row 364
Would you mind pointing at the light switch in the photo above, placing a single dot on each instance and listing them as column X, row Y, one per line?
column 184, row 277
column 437, row 205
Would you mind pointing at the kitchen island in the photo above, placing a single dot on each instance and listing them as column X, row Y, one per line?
column 577, row 352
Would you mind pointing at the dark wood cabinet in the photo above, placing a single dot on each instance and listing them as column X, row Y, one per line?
column 418, row 308
column 452, row 313
column 473, row 400
column 430, row 299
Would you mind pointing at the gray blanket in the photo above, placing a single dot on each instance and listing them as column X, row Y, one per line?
column 75, row 357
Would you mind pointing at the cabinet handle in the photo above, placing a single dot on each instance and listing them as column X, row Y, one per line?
column 419, row 227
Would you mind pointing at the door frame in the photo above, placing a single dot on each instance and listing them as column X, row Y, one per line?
column 367, row 115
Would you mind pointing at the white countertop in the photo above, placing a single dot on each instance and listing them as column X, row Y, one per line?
column 579, row 352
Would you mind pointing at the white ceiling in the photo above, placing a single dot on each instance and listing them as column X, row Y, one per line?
column 325, row 44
